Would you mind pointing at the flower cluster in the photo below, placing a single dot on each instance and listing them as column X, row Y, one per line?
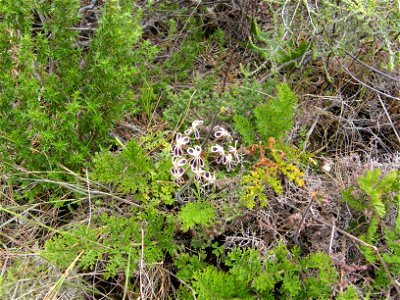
column 192, row 159
column 230, row 158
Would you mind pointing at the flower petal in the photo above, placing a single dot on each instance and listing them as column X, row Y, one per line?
column 177, row 151
column 180, row 171
column 197, row 123
column 209, row 177
column 193, row 164
column 201, row 162
column 217, row 149
column 196, row 134
column 191, row 151
column 222, row 132
column 179, row 180
column 177, row 171
column 173, row 171
column 221, row 159
column 181, row 162
column 184, row 140
column 218, row 134
column 198, row 173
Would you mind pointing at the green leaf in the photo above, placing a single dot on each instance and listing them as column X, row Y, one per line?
column 245, row 128
column 196, row 213
column 274, row 118
column 368, row 181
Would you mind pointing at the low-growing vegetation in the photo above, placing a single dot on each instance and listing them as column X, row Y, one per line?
column 199, row 149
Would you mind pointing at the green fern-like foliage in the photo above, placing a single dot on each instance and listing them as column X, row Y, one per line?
column 349, row 294
column 370, row 237
column 196, row 213
column 162, row 189
column 355, row 202
column 246, row 128
column 198, row 102
column 247, row 275
column 130, row 169
column 376, row 187
column 368, row 183
column 390, row 257
column 379, row 194
column 210, row 283
column 115, row 241
column 189, row 264
column 274, row 118
column 318, row 286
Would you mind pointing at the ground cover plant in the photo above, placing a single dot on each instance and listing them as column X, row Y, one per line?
column 199, row 149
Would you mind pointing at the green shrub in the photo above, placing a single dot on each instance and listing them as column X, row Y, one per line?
column 132, row 171
column 247, row 275
column 333, row 27
column 129, row 169
column 58, row 99
column 274, row 47
column 378, row 189
column 378, row 195
column 272, row 119
column 349, row 294
column 271, row 158
column 200, row 101
column 114, row 240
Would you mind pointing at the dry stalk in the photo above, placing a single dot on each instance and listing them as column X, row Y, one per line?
column 52, row 294
column 389, row 118
column 304, row 214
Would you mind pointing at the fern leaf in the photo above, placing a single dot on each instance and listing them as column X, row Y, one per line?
column 196, row 213
column 370, row 237
column 245, row 128
column 276, row 117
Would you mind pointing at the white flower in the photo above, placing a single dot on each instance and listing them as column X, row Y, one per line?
column 196, row 162
column 233, row 150
column 230, row 163
column 177, row 173
column 210, row 178
column 219, row 150
column 222, row 133
column 181, row 141
column 193, row 128
column 198, row 174
column 196, row 123
column 203, row 176
column 196, row 151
